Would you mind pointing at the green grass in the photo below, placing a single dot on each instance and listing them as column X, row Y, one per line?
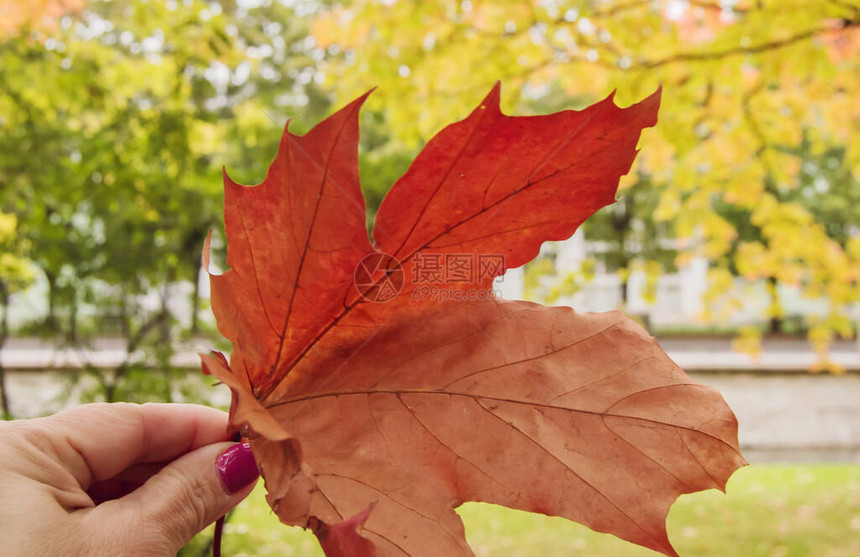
column 772, row 511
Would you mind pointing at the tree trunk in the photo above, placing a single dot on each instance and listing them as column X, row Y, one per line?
column 124, row 325
column 622, row 215
column 73, row 321
column 195, row 305
column 133, row 341
column 164, row 322
column 109, row 385
column 775, row 323
column 623, row 292
column 4, row 334
column 51, row 318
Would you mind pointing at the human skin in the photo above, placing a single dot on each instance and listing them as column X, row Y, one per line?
column 117, row 479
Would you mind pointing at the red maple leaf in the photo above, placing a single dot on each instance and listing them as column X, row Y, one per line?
column 374, row 409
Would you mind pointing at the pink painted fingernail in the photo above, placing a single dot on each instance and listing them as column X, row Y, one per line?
column 237, row 467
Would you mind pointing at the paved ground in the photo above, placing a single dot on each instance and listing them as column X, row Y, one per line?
column 810, row 418
column 780, row 354
column 785, row 413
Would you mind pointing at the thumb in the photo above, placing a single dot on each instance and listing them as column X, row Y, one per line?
column 189, row 494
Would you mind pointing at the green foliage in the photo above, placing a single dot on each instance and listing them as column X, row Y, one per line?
column 382, row 160
column 111, row 166
column 829, row 190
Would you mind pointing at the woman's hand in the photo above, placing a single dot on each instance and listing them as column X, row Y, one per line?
column 117, row 479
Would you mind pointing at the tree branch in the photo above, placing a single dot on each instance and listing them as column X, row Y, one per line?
column 4, row 334
column 757, row 49
column 621, row 7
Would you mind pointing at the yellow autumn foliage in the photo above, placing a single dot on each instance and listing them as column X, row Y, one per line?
column 747, row 86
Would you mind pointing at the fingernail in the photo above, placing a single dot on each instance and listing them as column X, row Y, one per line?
column 237, row 467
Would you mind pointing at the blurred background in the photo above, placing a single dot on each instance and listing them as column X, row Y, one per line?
column 736, row 240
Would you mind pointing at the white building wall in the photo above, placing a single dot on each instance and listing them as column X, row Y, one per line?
column 679, row 297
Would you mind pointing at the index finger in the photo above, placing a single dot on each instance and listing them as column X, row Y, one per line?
column 98, row 441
